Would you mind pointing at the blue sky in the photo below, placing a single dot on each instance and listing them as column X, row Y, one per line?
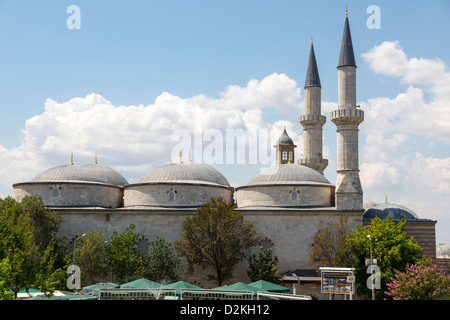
column 180, row 56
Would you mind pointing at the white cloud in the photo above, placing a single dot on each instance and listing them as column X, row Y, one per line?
column 135, row 139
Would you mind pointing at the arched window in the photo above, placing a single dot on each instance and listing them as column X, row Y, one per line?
column 171, row 196
column 55, row 192
column 294, row 196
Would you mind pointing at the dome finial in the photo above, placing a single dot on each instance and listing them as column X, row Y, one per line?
column 385, row 199
column 95, row 160
column 346, row 11
column 181, row 154
column 71, row 158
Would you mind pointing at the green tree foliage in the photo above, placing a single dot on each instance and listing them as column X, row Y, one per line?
column 328, row 245
column 90, row 256
column 30, row 253
column 122, row 255
column 263, row 266
column 390, row 246
column 216, row 237
column 162, row 262
column 419, row 282
column 5, row 270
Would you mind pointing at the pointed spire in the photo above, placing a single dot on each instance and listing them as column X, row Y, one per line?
column 347, row 56
column 95, row 160
column 312, row 74
column 71, row 158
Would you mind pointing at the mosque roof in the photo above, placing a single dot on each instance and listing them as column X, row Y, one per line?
column 101, row 173
column 347, row 56
column 389, row 209
column 92, row 173
column 288, row 174
column 186, row 172
column 312, row 73
column 68, row 172
column 284, row 139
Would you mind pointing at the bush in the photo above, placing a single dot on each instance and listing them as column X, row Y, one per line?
column 419, row 282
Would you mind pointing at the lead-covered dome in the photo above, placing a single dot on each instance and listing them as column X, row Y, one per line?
column 283, row 174
column 69, row 172
column 178, row 185
column 388, row 209
column 190, row 172
column 286, row 185
column 104, row 174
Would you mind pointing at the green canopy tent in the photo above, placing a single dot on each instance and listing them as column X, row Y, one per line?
column 241, row 286
column 141, row 284
column 268, row 286
column 180, row 285
column 101, row 285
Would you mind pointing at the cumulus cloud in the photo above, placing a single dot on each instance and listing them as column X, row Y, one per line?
column 136, row 138
column 418, row 180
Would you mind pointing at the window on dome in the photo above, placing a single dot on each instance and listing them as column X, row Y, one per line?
column 55, row 192
column 284, row 156
column 171, row 196
column 294, row 196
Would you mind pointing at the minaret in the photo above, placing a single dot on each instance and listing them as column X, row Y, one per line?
column 285, row 149
column 313, row 120
column 348, row 116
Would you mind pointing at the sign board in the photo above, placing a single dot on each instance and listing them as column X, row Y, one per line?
column 337, row 280
column 374, row 262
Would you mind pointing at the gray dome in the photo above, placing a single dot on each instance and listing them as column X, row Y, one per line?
column 68, row 172
column 104, row 174
column 284, row 139
column 196, row 173
column 95, row 173
column 386, row 209
column 287, row 174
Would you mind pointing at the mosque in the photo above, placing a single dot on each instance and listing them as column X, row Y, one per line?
column 286, row 202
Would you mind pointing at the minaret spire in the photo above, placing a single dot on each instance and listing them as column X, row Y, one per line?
column 312, row 73
column 313, row 120
column 347, row 56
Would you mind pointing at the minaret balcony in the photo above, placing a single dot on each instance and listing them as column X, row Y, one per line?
column 312, row 119
column 343, row 116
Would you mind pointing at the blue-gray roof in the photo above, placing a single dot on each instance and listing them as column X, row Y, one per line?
column 388, row 209
column 284, row 139
column 312, row 73
column 288, row 174
column 189, row 172
column 95, row 173
column 347, row 56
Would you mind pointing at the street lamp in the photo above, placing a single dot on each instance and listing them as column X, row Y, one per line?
column 74, row 246
column 371, row 264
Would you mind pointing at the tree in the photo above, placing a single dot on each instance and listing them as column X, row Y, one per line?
column 328, row 245
column 419, row 282
column 390, row 246
column 90, row 255
column 17, row 245
column 161, row 261
column 122, row 255
column 216, row 237
column 32, row 263
column 263, row 266
column 5, row 270
column 46, row 222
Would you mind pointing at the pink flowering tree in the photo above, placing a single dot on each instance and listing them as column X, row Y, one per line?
column 419, row 282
